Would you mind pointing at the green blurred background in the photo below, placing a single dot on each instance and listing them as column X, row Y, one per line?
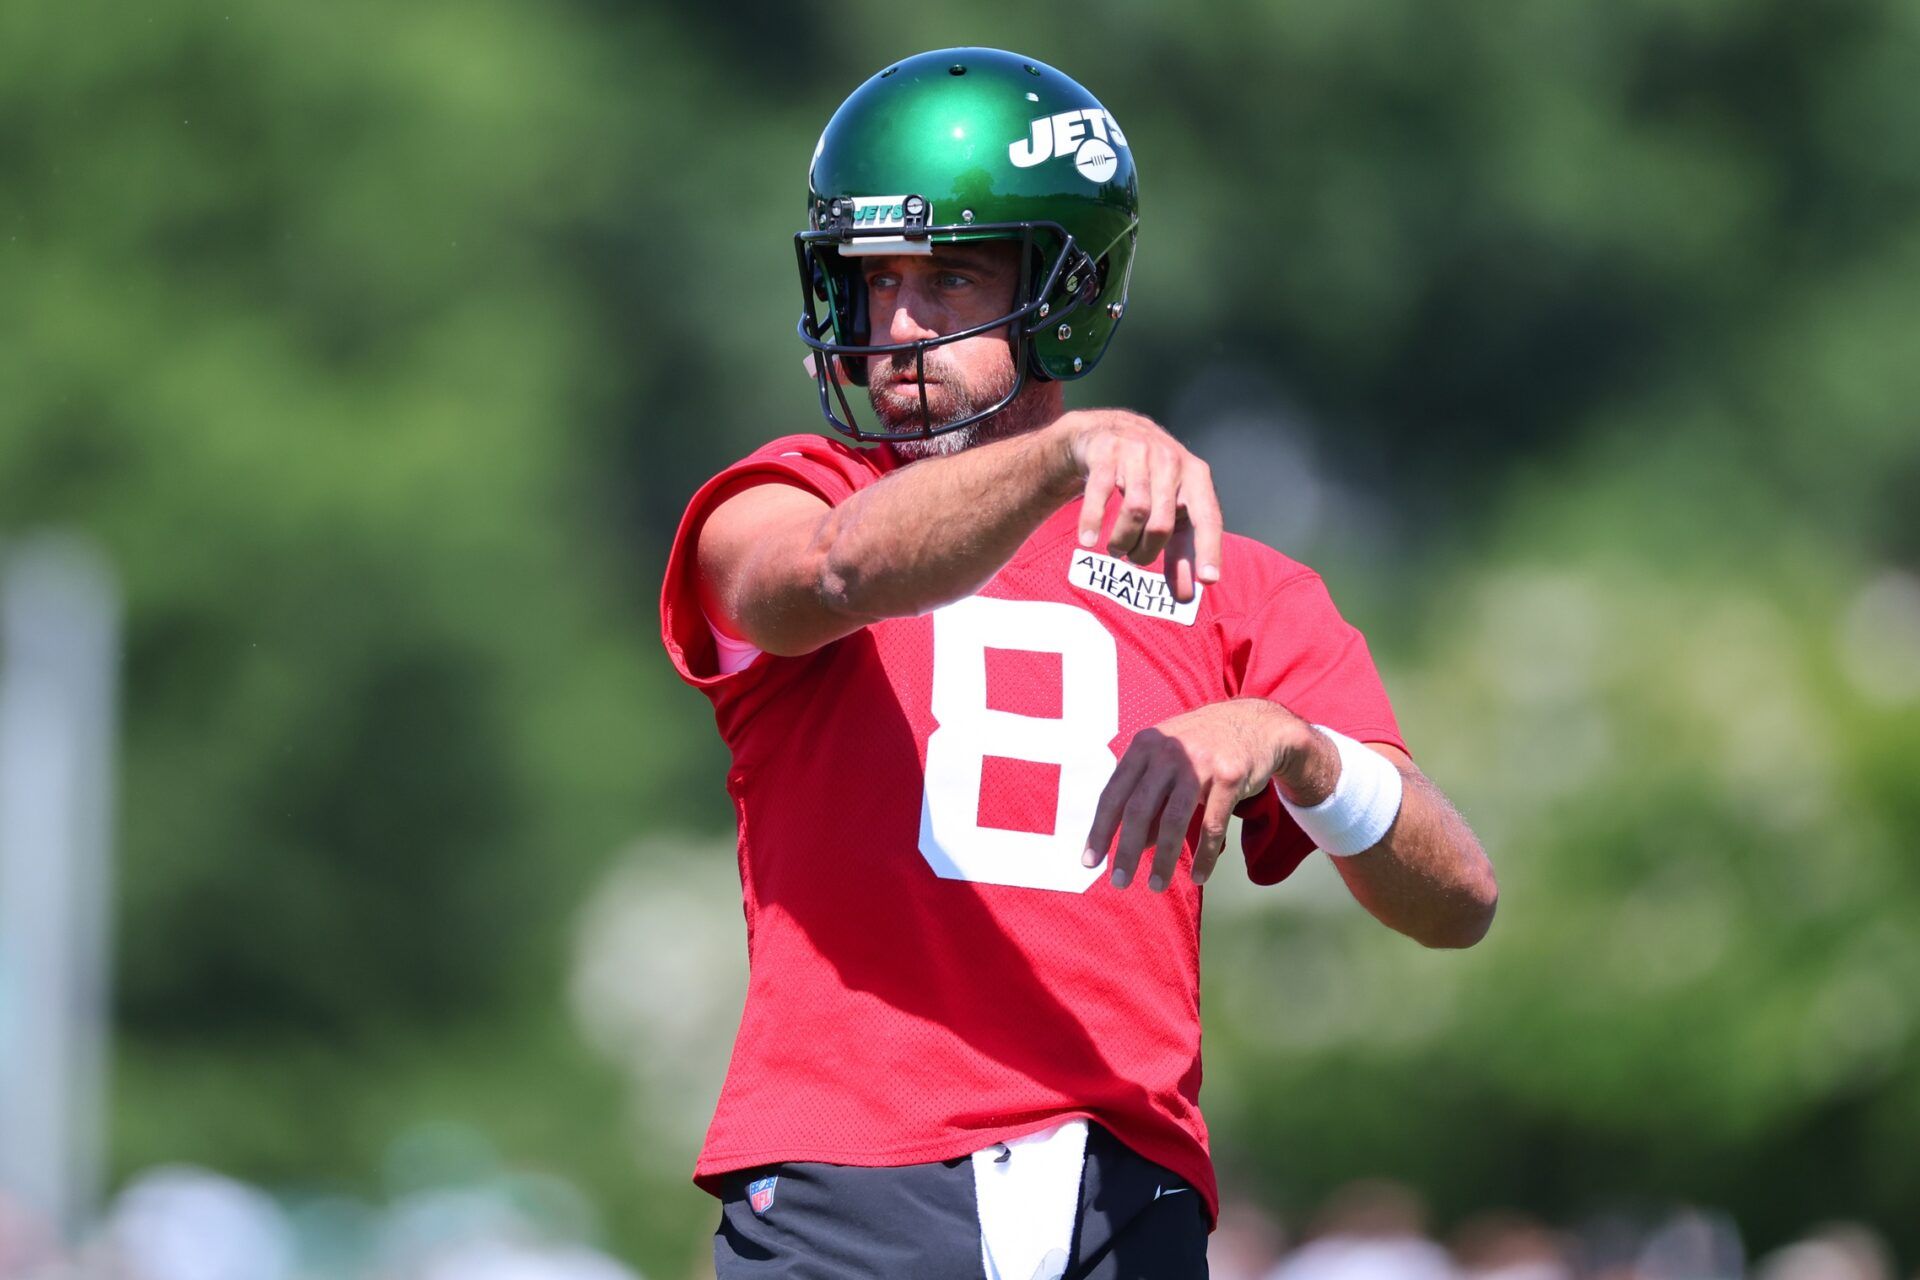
column 379, row 347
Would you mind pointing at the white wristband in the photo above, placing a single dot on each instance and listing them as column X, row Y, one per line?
column 1363, row 805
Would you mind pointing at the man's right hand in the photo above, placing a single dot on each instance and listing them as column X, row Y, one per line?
column 1166, row 497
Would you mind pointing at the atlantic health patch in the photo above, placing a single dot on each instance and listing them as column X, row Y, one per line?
column 1144, row 591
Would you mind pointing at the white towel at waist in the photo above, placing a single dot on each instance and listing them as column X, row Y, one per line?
column 1028, row 1191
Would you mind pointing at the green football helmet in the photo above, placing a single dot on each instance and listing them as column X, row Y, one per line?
column 962, row 145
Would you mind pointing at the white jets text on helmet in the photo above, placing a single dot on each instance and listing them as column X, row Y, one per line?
column 1084, row 135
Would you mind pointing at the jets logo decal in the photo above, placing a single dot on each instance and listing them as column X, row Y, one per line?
column 876, row 213
column 886, row 211
column 1089, row 136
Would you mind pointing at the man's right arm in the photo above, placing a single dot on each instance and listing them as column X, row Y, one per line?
column 786, row 572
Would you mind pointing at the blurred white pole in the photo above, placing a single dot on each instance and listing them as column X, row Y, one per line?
column 58, row 658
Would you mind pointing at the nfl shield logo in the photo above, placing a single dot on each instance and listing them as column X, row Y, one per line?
column 760, row 1194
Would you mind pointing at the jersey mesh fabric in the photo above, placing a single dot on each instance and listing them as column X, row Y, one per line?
column 894, row 1016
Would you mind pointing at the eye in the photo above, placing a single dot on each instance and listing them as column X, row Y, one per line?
column 883, row 280
column 954, row 280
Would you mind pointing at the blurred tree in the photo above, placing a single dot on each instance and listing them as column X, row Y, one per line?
column 295, row 330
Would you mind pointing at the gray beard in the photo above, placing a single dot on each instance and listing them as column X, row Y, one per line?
column 1017, row 418
column 944, row 445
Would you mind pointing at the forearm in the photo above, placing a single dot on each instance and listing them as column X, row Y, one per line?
column 936, row 531
column 781, row 569
column 1427, row 877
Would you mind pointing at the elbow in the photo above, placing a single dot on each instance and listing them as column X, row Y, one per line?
column 1469, row 922
column 1460, row 932
column 1469, row 917
column 833, row 575
column 842, row 582
column 860, row 596
column 841, row 593
column 828, row 575
column 844, row 593
column 806, row 605
column 836, row 587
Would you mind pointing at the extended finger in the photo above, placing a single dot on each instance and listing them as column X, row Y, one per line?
column 1135, row 505
column 1179, row 566
column 1174, row 817
column 1202, row 506
column 1106, row 814
column 1137, row 819
column 1093, row 510
column 1213, row 831
column 1163, row 483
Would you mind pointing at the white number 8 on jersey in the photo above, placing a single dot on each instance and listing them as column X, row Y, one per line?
column 951, row 837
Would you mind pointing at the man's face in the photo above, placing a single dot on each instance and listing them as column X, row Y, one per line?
column 915, row 296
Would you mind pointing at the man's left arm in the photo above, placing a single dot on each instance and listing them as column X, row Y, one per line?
column 1427, row 876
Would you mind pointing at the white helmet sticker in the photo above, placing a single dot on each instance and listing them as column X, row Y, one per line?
column 1095, row 160
column 872, row 212
column 1089, row 136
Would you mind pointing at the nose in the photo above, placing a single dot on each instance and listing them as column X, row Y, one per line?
column 915, row 315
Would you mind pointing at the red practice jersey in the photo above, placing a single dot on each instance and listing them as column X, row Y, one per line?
column 931, row 968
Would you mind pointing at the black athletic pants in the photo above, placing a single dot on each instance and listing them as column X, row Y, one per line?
column 1136, row 1221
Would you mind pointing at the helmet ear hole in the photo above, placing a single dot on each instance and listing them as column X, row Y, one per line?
column 855, row 367
column 858, row 321
column 1078, row 282
column 845, row 291
column 1096, row 282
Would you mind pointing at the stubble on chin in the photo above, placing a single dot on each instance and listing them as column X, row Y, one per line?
column 944, row 445
column 1016, row 419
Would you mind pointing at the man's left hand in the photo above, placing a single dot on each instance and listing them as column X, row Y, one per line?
column 1207, row 760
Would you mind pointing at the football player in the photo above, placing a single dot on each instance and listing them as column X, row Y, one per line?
column 992, row 686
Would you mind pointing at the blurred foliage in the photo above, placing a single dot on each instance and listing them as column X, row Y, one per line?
column 380, row 345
